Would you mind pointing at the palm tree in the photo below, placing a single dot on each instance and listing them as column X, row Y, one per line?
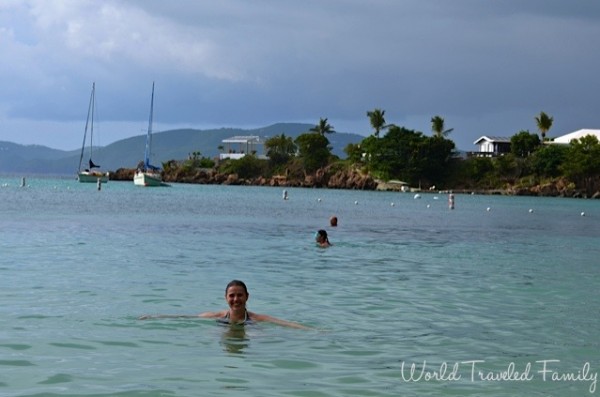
column 437, row 126
column 544, row 123
column 376, row 116
column 280, row 148
column 323, row 127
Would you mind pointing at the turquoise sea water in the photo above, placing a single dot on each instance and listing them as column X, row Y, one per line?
column 407, row 283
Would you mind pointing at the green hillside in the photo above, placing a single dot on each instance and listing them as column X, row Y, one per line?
column 166, row 145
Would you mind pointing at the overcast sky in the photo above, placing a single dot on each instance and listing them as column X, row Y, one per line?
column 486, row 67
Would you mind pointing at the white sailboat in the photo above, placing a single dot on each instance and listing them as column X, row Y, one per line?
column 89, row 175
column 147, row 174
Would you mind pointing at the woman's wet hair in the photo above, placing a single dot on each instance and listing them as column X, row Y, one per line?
column 322, row 233
column 236, row 283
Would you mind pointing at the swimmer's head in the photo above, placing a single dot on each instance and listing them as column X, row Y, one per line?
column 333, row 221
column 321, row 236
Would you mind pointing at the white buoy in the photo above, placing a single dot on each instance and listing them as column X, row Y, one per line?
column 392, row 204
column 435, row 197
column 428, row 205
column 417, row 196
column 530, row 210
column 583, row 214
column 488, row 209
column 319, row 199
column 356, row 203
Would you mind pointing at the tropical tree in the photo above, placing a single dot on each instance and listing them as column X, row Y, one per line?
column 406, row 154
column 280, row 148
column 479, row 171
column 377, row 119
column 524, row 143
column 314, row 150
column 323, row 127
column 548, row 160
column 582, row 162
column 247, row 167
column 354, row 152
column 437, row 126
column 544, row 123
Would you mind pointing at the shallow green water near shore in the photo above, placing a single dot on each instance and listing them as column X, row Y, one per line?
column 485, row 286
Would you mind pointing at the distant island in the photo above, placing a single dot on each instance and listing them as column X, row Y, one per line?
column 403, row 160
column 304, row 155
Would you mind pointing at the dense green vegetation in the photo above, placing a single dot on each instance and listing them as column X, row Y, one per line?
column 398, row 153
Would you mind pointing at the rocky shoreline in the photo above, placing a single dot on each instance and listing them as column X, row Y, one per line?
column 356, row 180
column 323, row 178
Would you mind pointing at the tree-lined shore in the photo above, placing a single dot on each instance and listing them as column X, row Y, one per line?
column 534, row 166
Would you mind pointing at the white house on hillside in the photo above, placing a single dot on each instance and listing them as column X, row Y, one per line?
column 238, row 146
column 566, row 139
column 490, row 146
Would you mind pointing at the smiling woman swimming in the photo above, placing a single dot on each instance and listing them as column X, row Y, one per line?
column 236, row 295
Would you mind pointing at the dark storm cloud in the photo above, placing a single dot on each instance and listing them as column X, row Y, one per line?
column 485, row 66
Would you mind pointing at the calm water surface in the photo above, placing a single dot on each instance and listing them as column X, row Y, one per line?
column 496, row 288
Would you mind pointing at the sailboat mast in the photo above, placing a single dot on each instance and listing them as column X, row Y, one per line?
column 92, row 120
column 149, row 136
column 87, row 121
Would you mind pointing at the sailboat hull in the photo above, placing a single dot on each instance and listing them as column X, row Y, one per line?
column 92, row 177
column 147, row 179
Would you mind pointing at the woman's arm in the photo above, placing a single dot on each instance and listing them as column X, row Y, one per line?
column 150, row 316
column 201, row 315
column 213, row 314
column 275, row 320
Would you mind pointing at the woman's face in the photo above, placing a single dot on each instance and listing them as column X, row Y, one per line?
column 236, row 297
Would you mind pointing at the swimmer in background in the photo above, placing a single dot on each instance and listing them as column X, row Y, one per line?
column 236, row 295
column 333, row 221
column 321, row 239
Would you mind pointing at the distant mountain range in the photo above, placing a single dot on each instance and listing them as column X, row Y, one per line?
column 166, row 145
